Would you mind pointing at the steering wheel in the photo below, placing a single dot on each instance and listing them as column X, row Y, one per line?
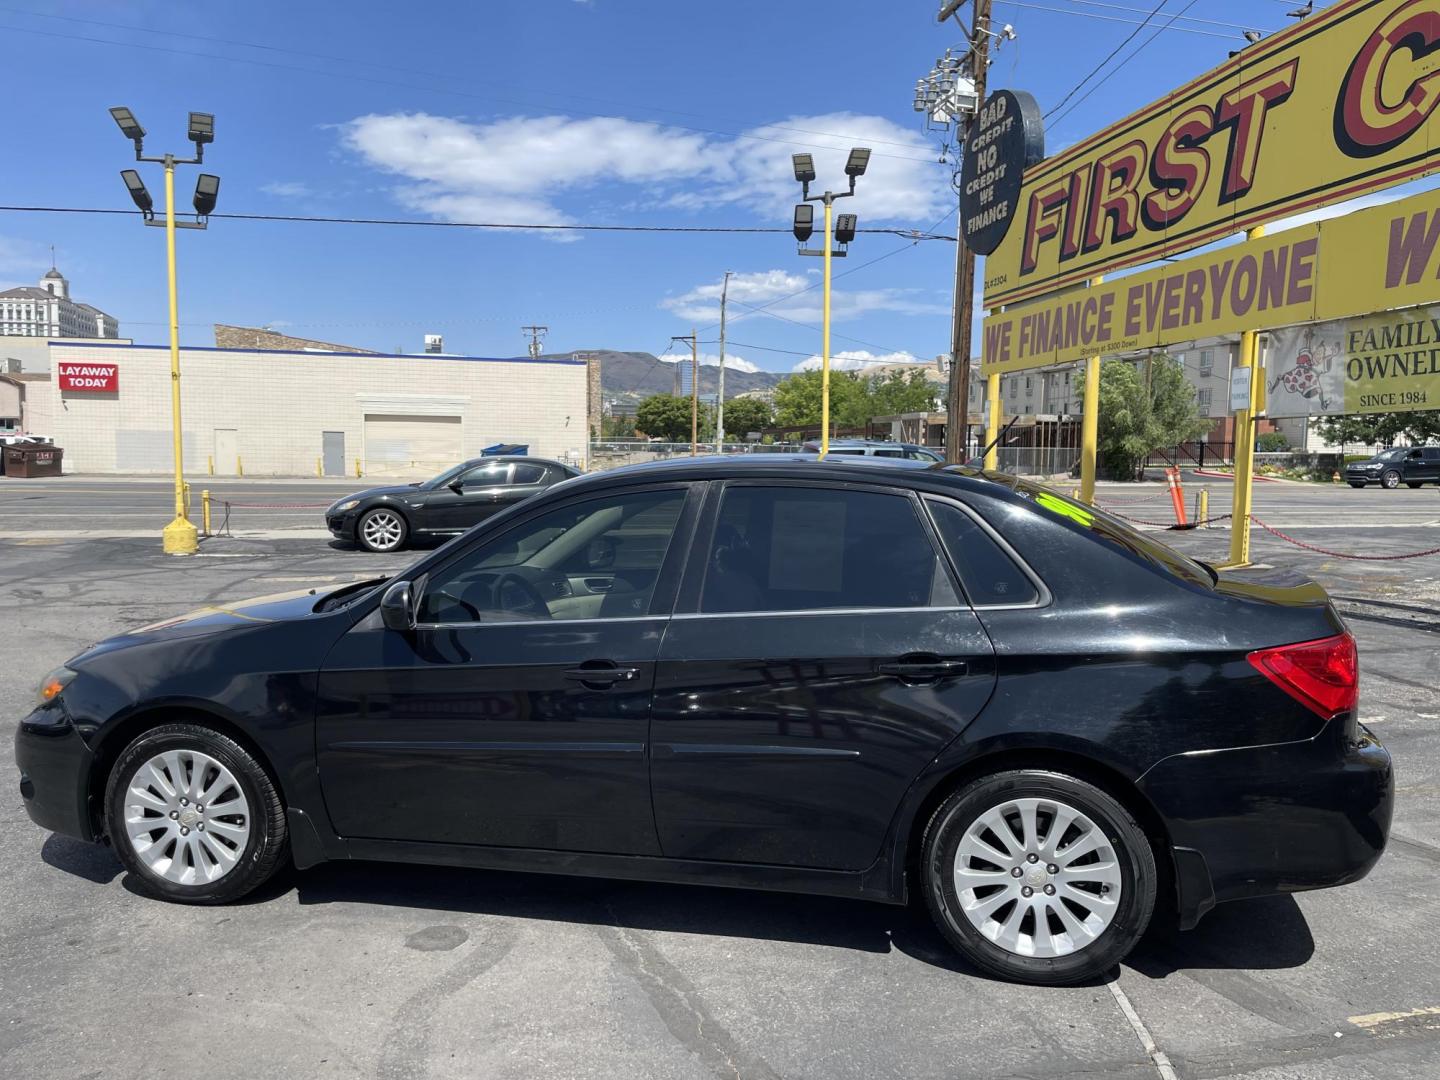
column 470, row 609
column 510, row 584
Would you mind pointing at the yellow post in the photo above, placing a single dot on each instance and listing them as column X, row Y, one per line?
column 825, row 345
column 239, row 466
column 992, row 425
column 1204, row 511
column 179, row 537
column 318, row 470
column 1245, row 442
column 1090, row 424
column 210, row 463
column 205, row 509
column 357, row 468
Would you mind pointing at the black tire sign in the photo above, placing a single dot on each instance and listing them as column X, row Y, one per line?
column 1006, row 138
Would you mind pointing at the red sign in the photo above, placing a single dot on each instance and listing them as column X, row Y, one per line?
column 89, row 378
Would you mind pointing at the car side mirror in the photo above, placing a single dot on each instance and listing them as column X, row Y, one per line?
column 457, row 485
column 397, row 608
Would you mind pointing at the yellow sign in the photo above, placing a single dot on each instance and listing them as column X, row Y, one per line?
column 1378, row 363
column 1370, row 260
column 1340, row 104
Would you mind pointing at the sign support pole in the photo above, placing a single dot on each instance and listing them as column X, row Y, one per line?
column 1090, row 424
column 992, row 422
column 1245, row 420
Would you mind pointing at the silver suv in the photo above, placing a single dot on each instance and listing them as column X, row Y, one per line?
column 876, row 448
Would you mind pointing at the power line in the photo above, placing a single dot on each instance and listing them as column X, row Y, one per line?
column 1183, row 18
column 812, row 326
column 1113, row 71
column 1113, row 52
column 428, row 89
column 1110, row 18
column 913, row 235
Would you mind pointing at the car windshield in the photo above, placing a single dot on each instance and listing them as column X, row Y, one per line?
column 1392, row 455
column 445, row 477
column 1115, row 531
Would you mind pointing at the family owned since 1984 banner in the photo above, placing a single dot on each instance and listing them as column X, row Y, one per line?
column 1377, row 363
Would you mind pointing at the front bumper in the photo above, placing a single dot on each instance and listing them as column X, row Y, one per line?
column 55, row 767
column 342, row 526
column 1273, row 819
column 1361, row 476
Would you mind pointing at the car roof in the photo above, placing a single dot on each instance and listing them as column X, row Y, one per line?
column 796, row 466
column 504, row 459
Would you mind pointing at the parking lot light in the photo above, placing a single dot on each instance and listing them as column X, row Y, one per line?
column 202, row 128
column 138, row 194
column 858, row 161
column 129, row 126
column 804, row 224
column 207, row 190
column 804, row 165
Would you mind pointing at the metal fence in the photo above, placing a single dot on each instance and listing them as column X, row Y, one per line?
column 1037, row 460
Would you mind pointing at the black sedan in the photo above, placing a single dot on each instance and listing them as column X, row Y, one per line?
column 386, row 518
column 860, row 678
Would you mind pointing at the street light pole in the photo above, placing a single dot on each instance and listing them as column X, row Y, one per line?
column 720, row 392
column 825, row 335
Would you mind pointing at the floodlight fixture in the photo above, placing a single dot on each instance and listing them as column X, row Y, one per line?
column 804, row 167
column 858, row 162
column 136, row 187
column 129, row 126
column 804, row 223
column 207, row 190
column 202, row 128
column 845, row 228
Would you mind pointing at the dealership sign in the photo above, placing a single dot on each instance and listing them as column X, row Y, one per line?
column 87, row 377
column 1340, row 104
column 1377, row 363
column 1369, row 260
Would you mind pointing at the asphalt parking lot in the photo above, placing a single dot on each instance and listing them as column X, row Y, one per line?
column 368, row 970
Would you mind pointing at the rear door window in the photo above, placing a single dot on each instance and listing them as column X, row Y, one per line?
column 807, row 549
column 990, row 576
column 528, row 473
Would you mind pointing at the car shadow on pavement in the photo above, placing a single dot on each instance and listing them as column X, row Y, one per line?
column 93, row 862
column 1267, row 933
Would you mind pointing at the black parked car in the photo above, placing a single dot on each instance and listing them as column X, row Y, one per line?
column 1410, row 465
column 856, row 677
column 385, row 518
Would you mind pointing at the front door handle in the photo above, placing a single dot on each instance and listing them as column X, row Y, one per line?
column 602, row 674
column 923, row 669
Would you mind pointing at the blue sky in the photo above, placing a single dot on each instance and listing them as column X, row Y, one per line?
column 635, row 112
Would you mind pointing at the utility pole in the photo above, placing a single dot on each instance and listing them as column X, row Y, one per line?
column 537, row 334
column 720, row 393
column 693, row 339
column 957, row 418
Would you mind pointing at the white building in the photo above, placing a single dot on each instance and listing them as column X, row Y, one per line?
column 266, row 412
column 46, row 311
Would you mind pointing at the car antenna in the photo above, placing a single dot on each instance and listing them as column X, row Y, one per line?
column 995, row 441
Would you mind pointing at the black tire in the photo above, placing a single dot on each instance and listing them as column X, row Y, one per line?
column 1134, row 858
column 262, row 852
column 1357, row 483
column 369, row 517
column 1414, row 483
column 1390, row 478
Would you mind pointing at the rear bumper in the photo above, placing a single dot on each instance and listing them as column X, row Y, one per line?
column 1273, row 819
column 54, row 773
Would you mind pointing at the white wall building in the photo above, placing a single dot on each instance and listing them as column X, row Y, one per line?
column 299, row 413
column 47, row 311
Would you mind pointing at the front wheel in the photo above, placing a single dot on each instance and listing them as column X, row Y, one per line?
column 193, row 816
column 1390, row 479
column 381, row 530
column 1038, row 876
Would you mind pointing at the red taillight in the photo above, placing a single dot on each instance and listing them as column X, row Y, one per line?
column 1324, row 675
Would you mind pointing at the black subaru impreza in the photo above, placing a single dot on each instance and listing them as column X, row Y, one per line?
column 855, row 677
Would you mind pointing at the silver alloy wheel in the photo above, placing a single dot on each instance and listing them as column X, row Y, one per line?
column 382, row 530
column 1037, row 877
column 186, row 817
column 1390, row 479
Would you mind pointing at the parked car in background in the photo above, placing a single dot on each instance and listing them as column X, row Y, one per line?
column 1409, row 465
column 878, row 448
column 856, row 677
column 387, row 518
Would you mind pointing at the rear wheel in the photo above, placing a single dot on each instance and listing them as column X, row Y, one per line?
column 1038, row 876
column 193, row 816
column 381, row 530
column 1390, row 479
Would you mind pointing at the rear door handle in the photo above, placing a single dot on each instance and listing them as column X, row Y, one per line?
column 606, row 674
column 923, row 669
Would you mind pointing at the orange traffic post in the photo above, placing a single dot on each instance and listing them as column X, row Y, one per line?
column 1177, row 495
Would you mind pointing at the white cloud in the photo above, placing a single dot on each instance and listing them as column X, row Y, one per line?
column 732, row 362
column 773, row 290
column 859, row 360
column 520, row 169
column 287, row 189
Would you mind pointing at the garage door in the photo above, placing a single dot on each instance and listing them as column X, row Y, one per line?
column 411, row 447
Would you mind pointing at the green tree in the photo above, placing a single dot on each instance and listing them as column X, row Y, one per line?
column 746, row 414
column 1383, row 428
column 1141, row 412
column 664, row 416
column 895, row 392
column 797, row 399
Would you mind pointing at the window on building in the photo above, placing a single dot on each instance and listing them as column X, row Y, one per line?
column 1207, row 361
column 1202, row 401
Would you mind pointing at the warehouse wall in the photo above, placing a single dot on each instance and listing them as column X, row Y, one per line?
column 270, row 409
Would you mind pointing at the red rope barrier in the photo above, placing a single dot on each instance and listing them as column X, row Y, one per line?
column 279, row 506
column 1341, row 554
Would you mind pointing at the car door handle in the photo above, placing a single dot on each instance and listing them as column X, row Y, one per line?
column 923, row 669
column 606, row 676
